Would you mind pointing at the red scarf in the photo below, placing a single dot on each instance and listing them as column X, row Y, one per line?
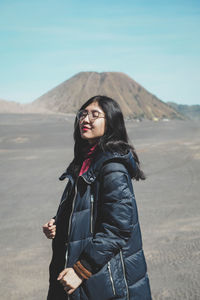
column 87, row 162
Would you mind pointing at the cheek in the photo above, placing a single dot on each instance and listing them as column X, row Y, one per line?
column 101, row 128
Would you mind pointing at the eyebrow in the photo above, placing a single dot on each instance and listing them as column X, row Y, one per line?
column 93, row 110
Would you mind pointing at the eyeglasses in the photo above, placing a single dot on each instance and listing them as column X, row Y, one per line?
column 93, row 115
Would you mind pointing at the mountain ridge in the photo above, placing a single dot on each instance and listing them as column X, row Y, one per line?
column 191, row 112
column 135, row 100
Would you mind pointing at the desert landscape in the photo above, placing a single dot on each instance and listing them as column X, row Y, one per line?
column 36, row 148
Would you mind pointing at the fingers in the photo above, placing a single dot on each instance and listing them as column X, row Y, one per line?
column 63, row 273
column 52, row 228
column 49, row 229
column 51, row 222
column 67, row 287
column 51, row 235
column 69, row 290
column 70, row 280
column 45, row 226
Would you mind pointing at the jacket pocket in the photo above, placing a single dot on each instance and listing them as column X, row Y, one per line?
column 111, row 278
column 99, row 286
column 108, row 283
column 124, row 275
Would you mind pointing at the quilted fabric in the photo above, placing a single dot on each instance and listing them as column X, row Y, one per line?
column 98, row 221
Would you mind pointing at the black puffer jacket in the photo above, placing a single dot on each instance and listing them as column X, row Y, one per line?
column 103, row 231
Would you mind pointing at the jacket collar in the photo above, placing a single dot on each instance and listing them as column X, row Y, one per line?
column 101, row 159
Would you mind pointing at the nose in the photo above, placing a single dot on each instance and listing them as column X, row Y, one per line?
column 86, row 119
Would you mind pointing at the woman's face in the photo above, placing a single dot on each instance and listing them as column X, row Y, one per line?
column 92, row 123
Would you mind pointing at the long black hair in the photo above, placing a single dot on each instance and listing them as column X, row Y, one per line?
column 115, row 138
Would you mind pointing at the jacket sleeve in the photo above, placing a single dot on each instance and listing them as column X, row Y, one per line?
column 114, row 220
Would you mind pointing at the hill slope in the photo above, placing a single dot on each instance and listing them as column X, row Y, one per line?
column 134, row 100
column 192, row 112
column 10, row 106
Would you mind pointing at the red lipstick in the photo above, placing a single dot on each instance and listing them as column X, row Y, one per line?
column 85, row 128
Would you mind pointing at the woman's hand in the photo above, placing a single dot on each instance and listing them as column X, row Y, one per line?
column 49, row 229
column 70, row 280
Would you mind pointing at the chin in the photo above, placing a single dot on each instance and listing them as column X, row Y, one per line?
column 85, row 137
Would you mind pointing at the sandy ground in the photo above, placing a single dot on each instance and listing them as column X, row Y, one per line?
column 34, row 151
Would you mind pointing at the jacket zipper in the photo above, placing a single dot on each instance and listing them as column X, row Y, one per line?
column 124, row 273
column 70, row 220
column 91, row 213
column 111, row 279
column 91, row 206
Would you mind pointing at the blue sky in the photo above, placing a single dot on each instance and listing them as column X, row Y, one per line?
column 45, row 42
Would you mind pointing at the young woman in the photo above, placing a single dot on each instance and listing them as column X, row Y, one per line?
column 97, row 245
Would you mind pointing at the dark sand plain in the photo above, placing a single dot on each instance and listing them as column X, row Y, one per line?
column 34, row 151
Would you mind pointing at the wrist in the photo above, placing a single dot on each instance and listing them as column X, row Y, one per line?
column 81, row 271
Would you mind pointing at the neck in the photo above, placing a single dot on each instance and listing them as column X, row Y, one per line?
column 93, row 142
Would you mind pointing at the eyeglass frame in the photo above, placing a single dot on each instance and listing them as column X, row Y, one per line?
column 89, row 114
